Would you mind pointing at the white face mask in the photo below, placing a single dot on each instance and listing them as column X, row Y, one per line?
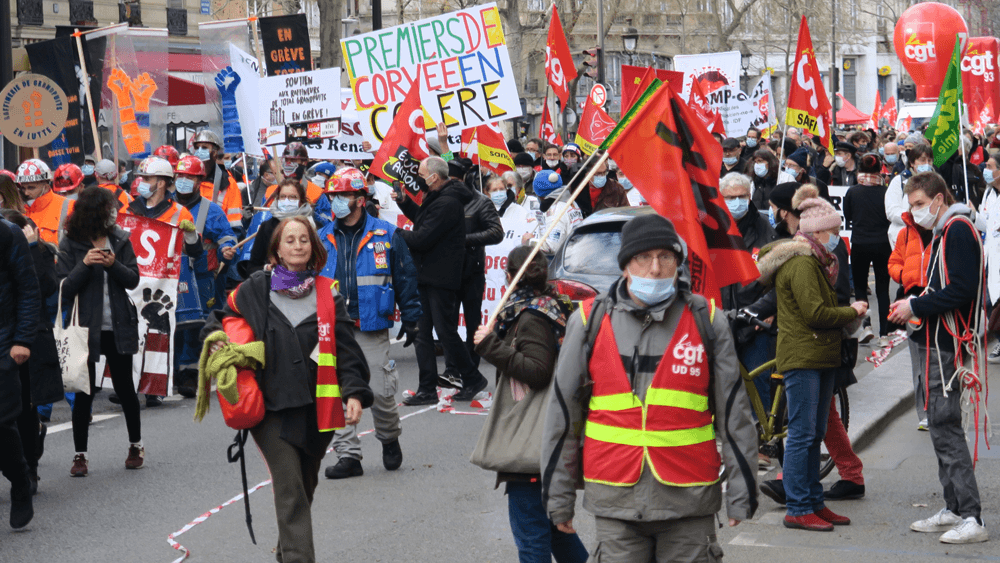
column 839, row 160
column 551, row 163
column 924, row 216
column 524, row 172
column 113, row 218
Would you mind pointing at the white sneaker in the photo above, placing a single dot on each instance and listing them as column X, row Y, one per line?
column 883, row 342
column 968, row 531
column 866, row 335
column 941, row 522
column 922, row 425
column 994, row 356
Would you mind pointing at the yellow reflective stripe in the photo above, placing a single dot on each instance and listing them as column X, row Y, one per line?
column 582, row 315
column 617, row 402
column 324, row 391
column 649, row 438
column 711, row 314
column 327, row 360
column 678, row 399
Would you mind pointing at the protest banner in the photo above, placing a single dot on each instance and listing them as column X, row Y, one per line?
column 152, row 55
column 56, row 59
column 837, row 194
column 460, row 59
column 158, row 252
column 126, row 96
column 286, row 44
column 237, row 86
column 980, row 66
column 33, row 111
column 301, row 107
column 348, row 145
column 718, row 74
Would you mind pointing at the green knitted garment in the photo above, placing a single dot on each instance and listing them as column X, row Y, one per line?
column 223, row 366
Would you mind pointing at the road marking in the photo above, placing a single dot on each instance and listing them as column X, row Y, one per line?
column 69, row 425
column 746, row 539
column 250, row 491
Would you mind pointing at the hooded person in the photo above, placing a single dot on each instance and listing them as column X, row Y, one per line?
column 782, row 216
column 548, row 185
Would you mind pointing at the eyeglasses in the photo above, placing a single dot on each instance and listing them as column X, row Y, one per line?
column 645, row 260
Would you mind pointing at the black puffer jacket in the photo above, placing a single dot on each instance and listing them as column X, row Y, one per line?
column 482, row 228
column 20, row 304
column 88, row 282
column 438, row 236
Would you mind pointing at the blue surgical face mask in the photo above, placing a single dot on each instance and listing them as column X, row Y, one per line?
column 87, row 169
column 730, row 160
column 771, row 219
column 145, row 189
column 184, row 185
column 600, row 181
column 340, row 207
column 625, row 182
column 760, row 169
column 881, row 151
column 738, row 207
column 124, row 177
column 924, row 168
column 202, row 154
column 498, row 198
column 751, row 142
column 831, row 244
column 651, row 290
column 891, row 158
column 988, row 175
column 288, row 205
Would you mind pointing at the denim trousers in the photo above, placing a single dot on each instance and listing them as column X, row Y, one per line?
column 537, row 539
column 809, row 392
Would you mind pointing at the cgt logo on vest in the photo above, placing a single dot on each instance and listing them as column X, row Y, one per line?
column 691, row 355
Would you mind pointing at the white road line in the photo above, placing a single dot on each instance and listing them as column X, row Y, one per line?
column 749, row 540
column 69, row 425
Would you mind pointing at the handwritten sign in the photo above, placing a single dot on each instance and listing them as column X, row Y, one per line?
column 460, row 59
column 33, row 110
column 300, row 106
column 286, row 44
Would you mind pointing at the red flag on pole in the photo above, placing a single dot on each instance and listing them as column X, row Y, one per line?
column 673, row 161
column 635, row 80
column 705, row 112
column 559, row 66
column 595, row 123
column 546, row 130
column 808, row 106
column 876, row 113
column 888, row 111
column 404, row 145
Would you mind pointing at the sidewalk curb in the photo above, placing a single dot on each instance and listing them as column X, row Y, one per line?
column 879, row 398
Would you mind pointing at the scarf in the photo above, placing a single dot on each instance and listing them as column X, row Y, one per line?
column 826, row 259
column 295, row 285
column 869, row 179
column 554, row 306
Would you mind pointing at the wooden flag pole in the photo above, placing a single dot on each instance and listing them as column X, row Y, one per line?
column 592, row 170
column 86, row 90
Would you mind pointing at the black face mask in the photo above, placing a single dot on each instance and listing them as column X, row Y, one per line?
column 421, row 183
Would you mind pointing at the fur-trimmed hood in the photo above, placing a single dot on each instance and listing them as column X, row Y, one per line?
column 773, row 256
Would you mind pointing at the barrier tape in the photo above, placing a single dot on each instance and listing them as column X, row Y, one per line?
column 186, row 552
column 876, row 357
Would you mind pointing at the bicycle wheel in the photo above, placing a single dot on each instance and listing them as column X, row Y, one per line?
column 843, row 407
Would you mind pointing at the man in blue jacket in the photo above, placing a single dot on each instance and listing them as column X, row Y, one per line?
column 373, row 268
column 19, row 299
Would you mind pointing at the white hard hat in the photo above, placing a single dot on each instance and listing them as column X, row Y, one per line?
column 33, row 170
column 156, row 166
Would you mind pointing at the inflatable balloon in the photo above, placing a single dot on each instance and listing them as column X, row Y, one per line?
column 924, row 40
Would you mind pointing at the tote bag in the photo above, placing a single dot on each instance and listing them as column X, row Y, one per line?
column 73, row 348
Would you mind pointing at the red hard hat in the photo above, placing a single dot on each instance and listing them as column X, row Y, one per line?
column 346, row 180
column 168, row 152
column 68, row 177
column 190, row 165
column 9, row 174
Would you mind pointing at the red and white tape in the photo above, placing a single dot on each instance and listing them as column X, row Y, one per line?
column 876, row 357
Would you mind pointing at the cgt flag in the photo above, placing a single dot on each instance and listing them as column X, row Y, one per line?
column 559, row 66
column 944, row 128
column 876, row 115
column 708, row 115
column 404, row 145
column 808, row 106
column 682, row 184
column 595, row 123
column 546, row 130
column 889, row 111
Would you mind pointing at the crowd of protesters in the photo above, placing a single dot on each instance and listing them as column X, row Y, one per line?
column 305, row 245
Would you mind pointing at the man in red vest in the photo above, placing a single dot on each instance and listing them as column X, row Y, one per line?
column 665, row 383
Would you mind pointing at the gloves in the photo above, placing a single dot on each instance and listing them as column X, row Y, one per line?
column 410, row 330
column 190, row 233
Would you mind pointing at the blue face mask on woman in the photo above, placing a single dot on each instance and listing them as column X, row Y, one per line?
column 831, row 244
column 760, row 169
column 498, row 198
column 924, row 168
column 287, row 205
column 988, row 175
column 651, row 290
column 600, row 181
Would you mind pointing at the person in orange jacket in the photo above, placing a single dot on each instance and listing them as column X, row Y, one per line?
column 219, row 186
column 106, row 173
column 48, row 210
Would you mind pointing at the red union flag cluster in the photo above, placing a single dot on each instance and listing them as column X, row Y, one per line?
column 808, row 107
column 559, row 66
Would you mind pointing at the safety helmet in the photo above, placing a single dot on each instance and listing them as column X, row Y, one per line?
column 33, row 170
column 190, row 165
column 168, row 152
column 9, row 174
column 155, row 166
column 346, row 180
column 106, row 170
column 295, row 150
column 68, row 178
column 572, row 147
column 207, row 136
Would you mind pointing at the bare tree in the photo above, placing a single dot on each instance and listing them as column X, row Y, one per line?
column 724, row 30
column 401, row 6
column 330, row 14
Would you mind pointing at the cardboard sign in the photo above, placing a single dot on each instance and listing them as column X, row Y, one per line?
column 33, row 110
column 299, row 107
column 286, row 44
column 460, row 59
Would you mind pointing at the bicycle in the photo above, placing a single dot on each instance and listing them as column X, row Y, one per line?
column 771, row 428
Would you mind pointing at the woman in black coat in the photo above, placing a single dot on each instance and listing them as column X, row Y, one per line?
column 287, row 305
column 97, row 264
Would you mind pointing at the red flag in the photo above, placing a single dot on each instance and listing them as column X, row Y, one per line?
column 559, row 66
column 404, row 145
column 488, row 149
column 705, row 112
column 873, row 119
column 984, row 118
column 546, row 130
column 889, row 111
column 808, row 107
column 595, row 123
column 673, row 161
column 635, row 80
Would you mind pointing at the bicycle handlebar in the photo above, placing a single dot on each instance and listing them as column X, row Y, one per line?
column 749, row 318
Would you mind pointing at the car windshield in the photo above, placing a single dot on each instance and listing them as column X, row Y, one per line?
column 594, row 251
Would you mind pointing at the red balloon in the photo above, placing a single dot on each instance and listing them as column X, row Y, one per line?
column 924, row 40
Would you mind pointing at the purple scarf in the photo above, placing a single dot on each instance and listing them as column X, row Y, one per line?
column 292, row 284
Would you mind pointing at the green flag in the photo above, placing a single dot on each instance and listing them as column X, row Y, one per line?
column 945, row 129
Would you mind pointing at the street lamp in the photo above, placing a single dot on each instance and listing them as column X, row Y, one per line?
column 630, row 39
column 745, row 64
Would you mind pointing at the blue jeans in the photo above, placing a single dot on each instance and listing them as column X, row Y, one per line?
column 537, row 539
column 809, row 392
column 752, row 356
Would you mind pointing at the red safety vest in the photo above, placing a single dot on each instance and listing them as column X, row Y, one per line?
column 329, row 406
column 672, row 431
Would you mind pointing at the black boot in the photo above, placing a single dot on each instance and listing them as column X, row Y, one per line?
column 346, row 467
column 392, row 455
column 21, row 509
